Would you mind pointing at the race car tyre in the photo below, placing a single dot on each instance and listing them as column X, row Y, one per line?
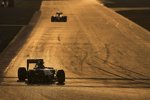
column 53, row 19
column 65, row 18
column 22, row 73
column 60, row 76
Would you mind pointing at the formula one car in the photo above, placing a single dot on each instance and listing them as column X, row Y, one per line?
column 58, row 17
column 40, row 73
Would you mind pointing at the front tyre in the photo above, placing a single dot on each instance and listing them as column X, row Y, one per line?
column 60, row 76
column 22, row 73
column 53, row 19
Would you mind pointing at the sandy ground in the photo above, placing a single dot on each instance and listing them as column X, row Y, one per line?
column 105, row 56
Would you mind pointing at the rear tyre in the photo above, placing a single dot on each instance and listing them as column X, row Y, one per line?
column 22, row 74
column 65, row 19
column 52, row 19
column 60, row 76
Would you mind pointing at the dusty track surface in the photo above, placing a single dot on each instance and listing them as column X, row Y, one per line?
column 105, row 56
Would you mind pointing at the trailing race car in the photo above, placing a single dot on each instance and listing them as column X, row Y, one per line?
column 58, row 17
column 40, row 73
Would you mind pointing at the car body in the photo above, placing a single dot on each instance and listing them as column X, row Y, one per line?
column 40, row 73
column 58, row 17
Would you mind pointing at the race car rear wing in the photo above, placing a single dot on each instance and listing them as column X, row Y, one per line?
column 33, row 61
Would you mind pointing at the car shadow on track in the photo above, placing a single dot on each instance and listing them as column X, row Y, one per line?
column 85, row 82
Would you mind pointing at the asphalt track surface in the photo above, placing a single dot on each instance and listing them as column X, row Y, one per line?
column 105, row 56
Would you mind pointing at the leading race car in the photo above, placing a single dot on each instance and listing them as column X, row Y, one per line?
column 40, row 73
column 58, row 17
